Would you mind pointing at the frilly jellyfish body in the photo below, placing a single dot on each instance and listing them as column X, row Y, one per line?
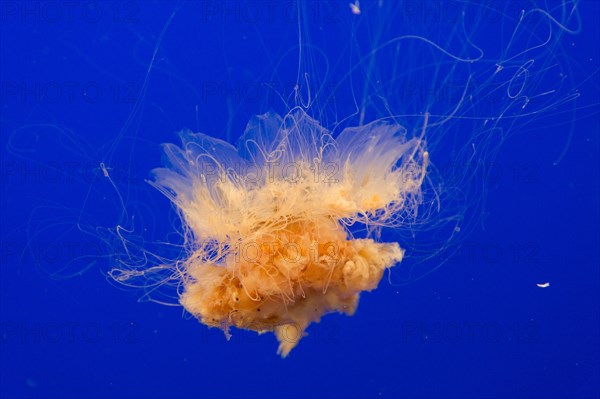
column 268, row 243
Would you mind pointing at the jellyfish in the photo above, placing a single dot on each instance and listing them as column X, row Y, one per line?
column 268, row 240
column 287, row 226
column 318, row 202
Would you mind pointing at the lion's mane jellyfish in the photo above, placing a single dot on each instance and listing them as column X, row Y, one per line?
column 269, row 245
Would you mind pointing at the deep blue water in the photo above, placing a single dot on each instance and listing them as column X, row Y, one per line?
column 86, row 84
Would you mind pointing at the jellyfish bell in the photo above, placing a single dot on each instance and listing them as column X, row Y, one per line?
column 269, row 250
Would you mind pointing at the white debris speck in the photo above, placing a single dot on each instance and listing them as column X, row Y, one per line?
column 355, row 7
column 543, row 285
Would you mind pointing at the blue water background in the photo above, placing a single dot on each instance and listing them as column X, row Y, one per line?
column 478, row 326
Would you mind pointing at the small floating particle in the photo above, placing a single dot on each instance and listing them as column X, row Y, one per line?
column 544, row 285
column 355, row 7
